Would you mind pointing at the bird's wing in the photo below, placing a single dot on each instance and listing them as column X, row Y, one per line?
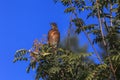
column 53, row 37
column 49, row 35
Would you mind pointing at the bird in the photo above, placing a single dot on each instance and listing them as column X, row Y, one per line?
column 53, row 35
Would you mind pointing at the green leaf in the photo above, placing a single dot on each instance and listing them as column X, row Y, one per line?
column 69, row 9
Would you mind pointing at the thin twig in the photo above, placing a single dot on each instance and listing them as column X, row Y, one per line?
column 105, row 24
column 69, row 31
column 111, row 15
column 100, row 23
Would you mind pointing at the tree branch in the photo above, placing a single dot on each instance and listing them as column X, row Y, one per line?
column 111, row 15
column 100, row 23
column 105, row 45
column 87, row 36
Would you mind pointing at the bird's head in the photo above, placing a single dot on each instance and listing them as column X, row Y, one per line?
column 53, row 25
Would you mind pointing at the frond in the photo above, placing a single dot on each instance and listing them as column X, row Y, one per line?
column 94, row 74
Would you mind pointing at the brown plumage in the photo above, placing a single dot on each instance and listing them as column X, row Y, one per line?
column 53, row 36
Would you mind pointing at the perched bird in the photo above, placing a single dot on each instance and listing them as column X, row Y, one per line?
column 53, row 36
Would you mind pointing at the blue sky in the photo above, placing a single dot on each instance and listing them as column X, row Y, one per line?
column 21, row 22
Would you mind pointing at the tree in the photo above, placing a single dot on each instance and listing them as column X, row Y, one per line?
column 71, row 42
column 63, row 64
column 106, row 30
column 59, row 64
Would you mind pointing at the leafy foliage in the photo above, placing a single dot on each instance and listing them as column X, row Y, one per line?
column 19, row 55
column 106, row 32
column 56, row 64
column 64, row 64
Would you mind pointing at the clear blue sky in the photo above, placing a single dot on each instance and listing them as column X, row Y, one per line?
column 22, row 21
